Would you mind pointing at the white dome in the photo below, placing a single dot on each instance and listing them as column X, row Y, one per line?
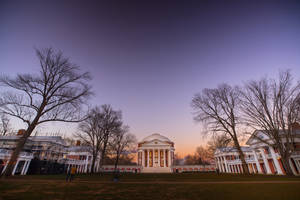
column 156, row 136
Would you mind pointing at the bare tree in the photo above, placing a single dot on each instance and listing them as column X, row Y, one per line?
column 218, row 110
column 191, row 160
column 122, row 142
column 90, row 132
column 57, row 93
column 204, row 154
column 178, row 160
column 273, row 106
column 110, row 122
column 4, row 125
column 218, row 141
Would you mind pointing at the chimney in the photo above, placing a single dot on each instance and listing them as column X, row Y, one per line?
column 21, row 132
column 78, row 143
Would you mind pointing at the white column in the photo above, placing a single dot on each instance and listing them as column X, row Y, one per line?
column 86, row 162
column 265, row 161
column 164, row 158
column 27, row 167
column 24, row 167
column 169, row 159
column 292, row 166
column 225, row 162
column 278, row 168
column 4, row 167
column 257, row 163
column 68, row 167
column 228, row 167
column 158, row 157
column 219, row 164
column 148, row 152
column 253, row 168
column 153, row 157
column 143, row 158
column 13, row 172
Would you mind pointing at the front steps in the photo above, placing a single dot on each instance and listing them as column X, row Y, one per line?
column 156, row 170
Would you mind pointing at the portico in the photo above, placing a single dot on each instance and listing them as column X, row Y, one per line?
column 156, row 154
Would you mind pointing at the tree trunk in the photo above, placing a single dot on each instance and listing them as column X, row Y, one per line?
column 242, row 157
column 116, row 163
column 93, row 162
column 21, row 142
column 15, row 154
column 287, row 166
column 285, row 161
column 103, row 153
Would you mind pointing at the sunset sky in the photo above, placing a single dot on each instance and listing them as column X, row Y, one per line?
column 149, row 58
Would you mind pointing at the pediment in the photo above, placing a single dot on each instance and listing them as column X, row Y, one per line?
column 155, row 142
column 257, row 137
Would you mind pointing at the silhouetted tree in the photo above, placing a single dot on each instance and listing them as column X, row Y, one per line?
column 218, row 109
column 218, row 141
column 122, row 142
column 204, row 154
column 57, row 93
column 90, row 132
column 273, row 106
column 110, row 122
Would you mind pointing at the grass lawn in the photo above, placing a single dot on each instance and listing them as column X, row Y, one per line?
column 152, row 186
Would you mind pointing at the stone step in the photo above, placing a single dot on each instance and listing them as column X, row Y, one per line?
column 156, row 170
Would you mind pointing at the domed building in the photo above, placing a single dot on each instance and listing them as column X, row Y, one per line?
column 156, row 154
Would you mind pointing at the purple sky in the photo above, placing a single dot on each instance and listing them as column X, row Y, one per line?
column 149, row 59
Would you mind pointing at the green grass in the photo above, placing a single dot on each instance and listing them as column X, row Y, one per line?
column 151, row 186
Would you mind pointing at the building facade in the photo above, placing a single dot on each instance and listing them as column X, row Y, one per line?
column 81, row 158
column 47, row 149
column 260, row 157
column 156, row 154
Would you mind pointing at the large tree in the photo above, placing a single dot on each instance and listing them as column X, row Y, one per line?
column 56, row 93
column 218, row 109
column 273, row 106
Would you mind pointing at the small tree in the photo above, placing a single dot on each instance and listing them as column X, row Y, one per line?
column 218, row 109
column 57, row 93
column 178, row 160
column 218, row 141
column 90, row 132
column 204, row 155
column 122, row 142
column 110, row 122
column 273, row 106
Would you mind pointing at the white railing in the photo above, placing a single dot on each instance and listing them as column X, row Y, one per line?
column 7, row 153
column 193, row 168
column 122, row 168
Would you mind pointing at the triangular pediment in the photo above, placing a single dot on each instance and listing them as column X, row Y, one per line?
column 155, row 142
column 257, row 137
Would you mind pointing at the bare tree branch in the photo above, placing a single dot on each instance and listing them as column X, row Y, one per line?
column 57, row 93
column 218, row 109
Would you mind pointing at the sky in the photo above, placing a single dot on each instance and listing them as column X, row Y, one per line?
column 149, row 58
